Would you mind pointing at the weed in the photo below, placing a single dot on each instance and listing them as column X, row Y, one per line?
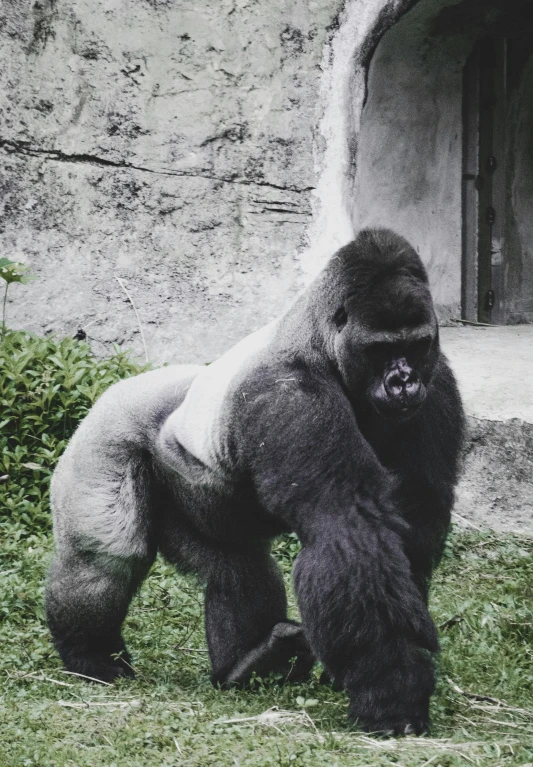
column 46, row 387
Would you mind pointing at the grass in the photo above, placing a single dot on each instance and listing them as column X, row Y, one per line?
column 170, row 715
column 482, row 600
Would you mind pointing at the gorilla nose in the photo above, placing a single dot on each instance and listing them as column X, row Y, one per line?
column 402, row 382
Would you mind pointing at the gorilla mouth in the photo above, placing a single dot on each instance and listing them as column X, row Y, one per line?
column 392, row 411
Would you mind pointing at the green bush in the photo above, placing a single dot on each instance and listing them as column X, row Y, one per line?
column 46, row 387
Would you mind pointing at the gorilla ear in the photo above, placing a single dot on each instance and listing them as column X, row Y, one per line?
column 340, row 318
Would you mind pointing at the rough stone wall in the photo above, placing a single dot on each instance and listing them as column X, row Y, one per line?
column 409, row 151
column 169, row 144
column 205, row 153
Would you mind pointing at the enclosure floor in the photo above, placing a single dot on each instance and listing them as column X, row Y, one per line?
column 494, row 367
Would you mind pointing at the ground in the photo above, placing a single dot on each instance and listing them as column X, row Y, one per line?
column 170, row 715
column 493, row 367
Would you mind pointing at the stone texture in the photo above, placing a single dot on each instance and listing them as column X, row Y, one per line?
column 213, row 155
column 165, row 143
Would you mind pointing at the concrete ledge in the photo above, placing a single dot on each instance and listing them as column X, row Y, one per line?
column 494, row 367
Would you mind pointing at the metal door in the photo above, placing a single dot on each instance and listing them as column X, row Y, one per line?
column 484, row 182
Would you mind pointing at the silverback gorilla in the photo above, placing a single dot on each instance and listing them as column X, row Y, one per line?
column 340, row 421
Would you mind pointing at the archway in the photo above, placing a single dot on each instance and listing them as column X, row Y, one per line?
column 445, row 152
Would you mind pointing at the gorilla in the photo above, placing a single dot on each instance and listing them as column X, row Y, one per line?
column 340, row 421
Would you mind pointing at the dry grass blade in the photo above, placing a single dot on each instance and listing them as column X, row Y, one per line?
column 39, row 676
column 443, row 746
column 96, row 703
column 274, row 717
column 84, row 676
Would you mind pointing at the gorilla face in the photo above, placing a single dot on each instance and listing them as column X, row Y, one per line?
column 386, row 346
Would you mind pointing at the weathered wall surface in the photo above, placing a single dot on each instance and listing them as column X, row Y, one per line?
column 167, row 143
column 202, row 152
column 214, row 154
column 409, row 152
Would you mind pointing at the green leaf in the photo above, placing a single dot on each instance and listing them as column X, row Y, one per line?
column 15, row 271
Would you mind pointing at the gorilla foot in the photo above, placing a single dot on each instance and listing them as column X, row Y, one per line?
column 100, row 665
column 285, row 651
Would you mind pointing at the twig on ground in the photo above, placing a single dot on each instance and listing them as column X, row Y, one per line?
column 472, row 695
column 39, row 677
column 105, row 703
column 474, row 323
column 450, row 622
column 467, row 521
column 84, row 676
column 190, row 649
column 496, row 703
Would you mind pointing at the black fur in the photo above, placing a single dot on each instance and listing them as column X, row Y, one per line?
column 346, row 427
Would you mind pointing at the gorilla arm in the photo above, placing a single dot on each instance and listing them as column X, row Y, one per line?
column 361, row 610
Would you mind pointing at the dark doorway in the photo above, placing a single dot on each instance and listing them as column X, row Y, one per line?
column 497, row 192
column 484, row 182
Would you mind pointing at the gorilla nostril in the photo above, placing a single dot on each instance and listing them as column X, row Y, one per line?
column 400, row 382
column 412, row 387
column 393, row 384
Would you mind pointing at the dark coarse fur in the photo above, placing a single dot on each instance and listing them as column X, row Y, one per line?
column 345, row 426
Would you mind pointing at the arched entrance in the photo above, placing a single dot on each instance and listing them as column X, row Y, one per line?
column 445, row 151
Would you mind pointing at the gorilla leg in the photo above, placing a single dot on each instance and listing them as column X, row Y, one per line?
column 246, row 620
column 246, row 623
column 87, row 599
column 367, row 623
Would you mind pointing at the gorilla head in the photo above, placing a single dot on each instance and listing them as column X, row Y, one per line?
column 379, row 324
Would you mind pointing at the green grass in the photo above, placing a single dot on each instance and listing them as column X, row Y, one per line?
column 170, row 715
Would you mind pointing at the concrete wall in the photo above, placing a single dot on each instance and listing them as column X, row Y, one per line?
column 200, row 152
column 213, row 155
column 167, row 143
column 409, row 152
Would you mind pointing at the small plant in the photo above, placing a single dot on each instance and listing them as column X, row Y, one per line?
column 12, row 271
column 47, row 386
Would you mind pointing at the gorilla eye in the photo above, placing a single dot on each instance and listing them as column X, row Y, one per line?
column 340, row 318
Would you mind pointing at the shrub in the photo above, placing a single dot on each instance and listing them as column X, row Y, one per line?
column 46, row 387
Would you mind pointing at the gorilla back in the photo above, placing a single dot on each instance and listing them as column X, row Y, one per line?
column 340, row 421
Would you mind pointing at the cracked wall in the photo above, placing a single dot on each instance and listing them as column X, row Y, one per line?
column 204, row 153
column 165, row 143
